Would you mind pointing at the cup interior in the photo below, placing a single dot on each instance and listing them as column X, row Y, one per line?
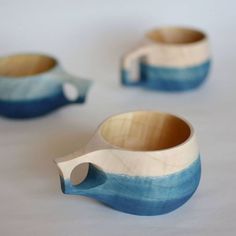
column 175, row 35
column 25, row 65
column 145, row 131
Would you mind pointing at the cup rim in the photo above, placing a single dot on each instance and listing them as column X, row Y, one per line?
column 186, row 141
column 203, row 38
column 29, row 54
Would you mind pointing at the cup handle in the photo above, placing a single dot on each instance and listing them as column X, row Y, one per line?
column 75, row 89
column 126, row 64
column 66, row 165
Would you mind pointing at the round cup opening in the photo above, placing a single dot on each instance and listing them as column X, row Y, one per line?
column 175, row 35
column 25, row 65
column 145, row 131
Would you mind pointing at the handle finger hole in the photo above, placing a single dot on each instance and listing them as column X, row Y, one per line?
column 79, row 173
column 87, row 176
column 70, row 91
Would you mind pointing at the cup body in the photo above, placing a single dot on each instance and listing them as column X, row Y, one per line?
column 33, row 85
column 172, row 59
column 136, row 164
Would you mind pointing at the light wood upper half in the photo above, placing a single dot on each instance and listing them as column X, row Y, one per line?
column 145, row 131
column 22, row 65
column 172, row 47
column 176, row 36
column 137, row 144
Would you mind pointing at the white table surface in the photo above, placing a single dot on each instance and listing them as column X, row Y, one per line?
column 89, row 37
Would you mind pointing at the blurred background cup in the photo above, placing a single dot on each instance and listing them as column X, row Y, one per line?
column 171, row 59
column 33, row 85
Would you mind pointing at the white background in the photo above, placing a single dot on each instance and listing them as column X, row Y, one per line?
column 89, row 38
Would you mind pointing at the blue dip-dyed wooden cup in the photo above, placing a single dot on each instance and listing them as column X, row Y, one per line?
column 143, row 163
column 171, row 59
column 33, row 85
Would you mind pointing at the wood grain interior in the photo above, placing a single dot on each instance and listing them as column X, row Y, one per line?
column 145, row 131
column 176, row 35
column 25, row 65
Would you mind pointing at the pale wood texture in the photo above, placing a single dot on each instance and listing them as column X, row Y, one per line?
column 176, row 35
column 171, row 47
column 25, row 65
column 142, row 143
column 145, row 131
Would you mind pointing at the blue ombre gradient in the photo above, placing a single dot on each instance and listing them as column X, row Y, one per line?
column 35, row 107
column 168, row 78
column 138, row 195
column 38, row 95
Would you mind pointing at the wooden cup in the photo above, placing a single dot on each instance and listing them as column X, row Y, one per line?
column 143, row 162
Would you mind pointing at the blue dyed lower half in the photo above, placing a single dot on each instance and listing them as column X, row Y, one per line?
column 168, row 78
column 138, row 195
column 34, row 107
